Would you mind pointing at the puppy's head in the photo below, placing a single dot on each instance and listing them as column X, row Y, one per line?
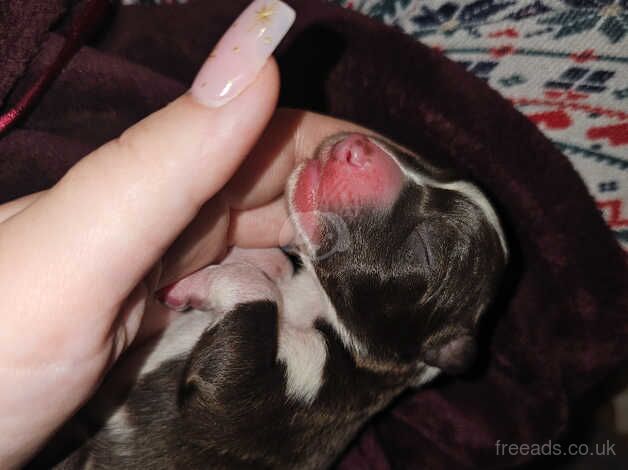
column 408, row 256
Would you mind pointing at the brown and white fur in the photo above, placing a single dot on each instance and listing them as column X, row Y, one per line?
column 279, row 367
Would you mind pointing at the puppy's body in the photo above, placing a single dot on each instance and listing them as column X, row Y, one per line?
column 262, row 413
column 276, row 369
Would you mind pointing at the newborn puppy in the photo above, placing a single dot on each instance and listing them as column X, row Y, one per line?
column 280, row 368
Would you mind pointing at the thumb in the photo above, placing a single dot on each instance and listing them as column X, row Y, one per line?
column 70, row 260
column 90, row 240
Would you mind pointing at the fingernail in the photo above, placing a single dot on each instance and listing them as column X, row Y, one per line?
column 242, row 52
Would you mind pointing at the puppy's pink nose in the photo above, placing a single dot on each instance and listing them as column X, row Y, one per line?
column 354, row 149
column 356, row 173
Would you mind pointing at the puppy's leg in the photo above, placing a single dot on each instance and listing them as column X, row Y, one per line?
column 236, row 279
column 244, row 276
column 207, row 366
column 272, row 261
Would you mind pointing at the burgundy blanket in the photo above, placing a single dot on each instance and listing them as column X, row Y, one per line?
column 560, row 326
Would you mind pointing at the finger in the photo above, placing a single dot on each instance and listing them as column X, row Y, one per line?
column 216, row 228
column 70, row 260
column 155, row 320
column 100, row 229
column 203, row 241
column 270, row 222
column 16, row 206
column 291, row 137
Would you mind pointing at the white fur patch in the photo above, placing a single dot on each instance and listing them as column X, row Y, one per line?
column 302, row 349
column 120, row 432
column 302, row 300
column 119, row 425
column 301, row 346
column 178, row 339
column 238, row 283
column 427, row 375
column 304, row 353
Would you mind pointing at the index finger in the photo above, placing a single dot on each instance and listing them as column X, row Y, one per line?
column 292, row 136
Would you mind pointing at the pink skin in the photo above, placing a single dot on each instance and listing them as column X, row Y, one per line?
column 353, row 174
column 241, row 270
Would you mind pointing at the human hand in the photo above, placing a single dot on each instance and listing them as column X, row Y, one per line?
column 79, row 262
column 249, row 212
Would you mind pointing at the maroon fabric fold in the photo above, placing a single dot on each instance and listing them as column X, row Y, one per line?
column 24, row 25
column 84, row 21
column 560, row 326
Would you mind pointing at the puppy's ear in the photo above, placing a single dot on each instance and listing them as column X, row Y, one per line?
column 453, row 354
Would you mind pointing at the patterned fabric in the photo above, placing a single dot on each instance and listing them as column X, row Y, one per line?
column 562, row 63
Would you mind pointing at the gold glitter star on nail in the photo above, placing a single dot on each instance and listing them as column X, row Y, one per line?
column 264, row 14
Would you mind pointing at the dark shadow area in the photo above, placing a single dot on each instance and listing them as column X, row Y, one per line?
column 306, row 65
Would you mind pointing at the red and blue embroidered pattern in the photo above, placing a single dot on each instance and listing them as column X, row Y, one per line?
column 563, row 63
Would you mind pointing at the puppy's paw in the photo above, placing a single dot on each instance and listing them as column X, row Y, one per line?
column 219, row 288
column 272, row 261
